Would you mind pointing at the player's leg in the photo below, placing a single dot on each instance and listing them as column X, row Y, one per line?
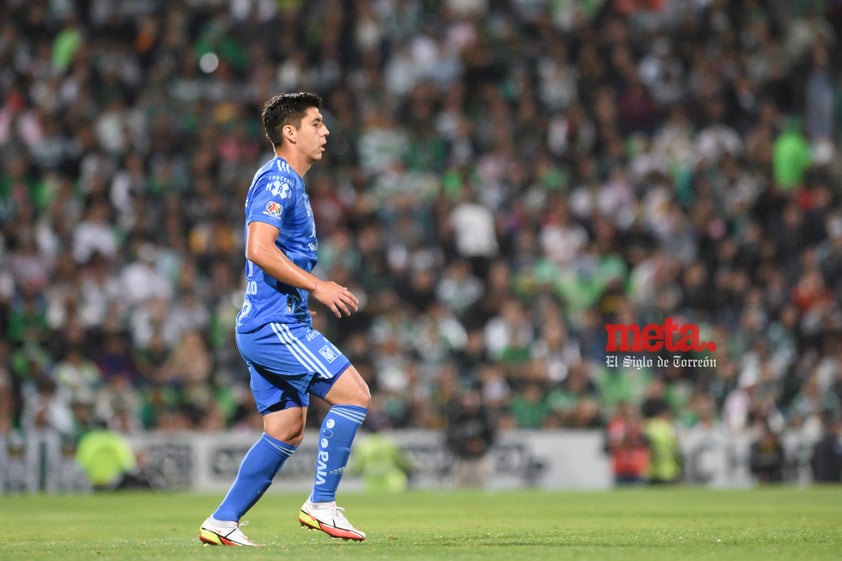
column 283, row 432
column 283, row 403
column 349, row 397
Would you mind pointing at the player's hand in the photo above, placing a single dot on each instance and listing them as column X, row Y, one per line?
column 336, row 297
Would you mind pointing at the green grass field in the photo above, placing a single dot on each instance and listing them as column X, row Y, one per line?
column 636, row 524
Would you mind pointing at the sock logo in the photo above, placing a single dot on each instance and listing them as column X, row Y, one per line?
column 327, row 428
column 321, row 467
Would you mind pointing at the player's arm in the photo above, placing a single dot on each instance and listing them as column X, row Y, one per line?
column 262, row 251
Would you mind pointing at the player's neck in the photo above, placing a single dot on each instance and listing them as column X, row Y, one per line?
column 298, row 162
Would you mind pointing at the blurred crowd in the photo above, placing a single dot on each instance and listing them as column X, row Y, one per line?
column 503, row 179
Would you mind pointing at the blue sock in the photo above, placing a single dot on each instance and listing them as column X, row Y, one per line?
column 338, row 431
column 259, row 467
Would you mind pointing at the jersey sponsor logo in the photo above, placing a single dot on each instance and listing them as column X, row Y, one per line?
column 328, row 353
column 312, row 334
column 274, row 209
column 321, row 467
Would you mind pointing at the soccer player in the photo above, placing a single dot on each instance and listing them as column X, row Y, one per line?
column 286, row 357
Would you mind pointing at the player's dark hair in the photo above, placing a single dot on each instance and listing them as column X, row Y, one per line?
column 286, row 109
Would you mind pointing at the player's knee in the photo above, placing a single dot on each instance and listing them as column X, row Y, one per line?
column 365, row 395
column 287, row 435
column 286, row 425
column 350, row 389
column 360, row 394
column 296, row 439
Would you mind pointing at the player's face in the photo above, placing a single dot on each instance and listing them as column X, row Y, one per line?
column 312, row 137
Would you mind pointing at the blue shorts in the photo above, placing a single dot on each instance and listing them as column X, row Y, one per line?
column 287, row 362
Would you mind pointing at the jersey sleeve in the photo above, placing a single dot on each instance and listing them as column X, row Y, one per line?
column 271, row 200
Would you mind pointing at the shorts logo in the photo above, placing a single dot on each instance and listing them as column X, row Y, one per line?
column 274, row 209
column 328, row 353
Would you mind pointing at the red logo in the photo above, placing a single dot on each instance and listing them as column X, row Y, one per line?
column 672, row 336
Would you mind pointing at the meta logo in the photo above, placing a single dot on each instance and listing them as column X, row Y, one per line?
column 671, row 336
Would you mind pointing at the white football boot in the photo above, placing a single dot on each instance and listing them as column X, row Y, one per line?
column 330, row 519
column 218, row 532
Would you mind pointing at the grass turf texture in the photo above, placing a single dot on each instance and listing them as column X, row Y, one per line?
column 629, row 524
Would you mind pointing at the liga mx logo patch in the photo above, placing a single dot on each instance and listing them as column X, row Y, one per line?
column 328, row 353
column 274, row 209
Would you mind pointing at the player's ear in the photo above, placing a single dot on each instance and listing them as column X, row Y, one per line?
column 288, row 132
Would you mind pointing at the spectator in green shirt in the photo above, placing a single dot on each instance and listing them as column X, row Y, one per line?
column 108, row 460
column 381, row 463
column 664, row 458
column 791, row 157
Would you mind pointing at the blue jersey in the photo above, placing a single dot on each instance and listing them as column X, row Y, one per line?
column 277, row 197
